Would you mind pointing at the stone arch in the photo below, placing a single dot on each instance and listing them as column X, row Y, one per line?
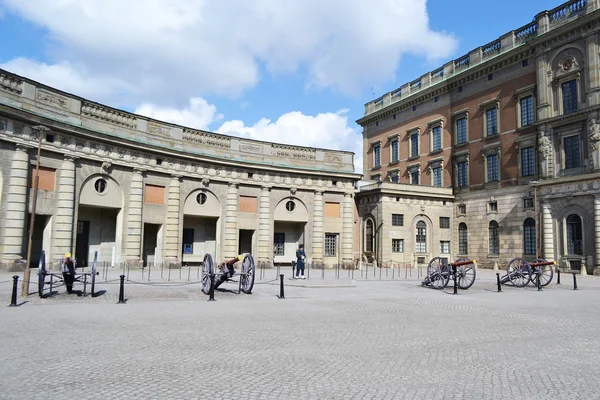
column 110, row 197
column 210, row 208
column 568, row 50
column 369, row 233
column 299, row 213
column 585, row 218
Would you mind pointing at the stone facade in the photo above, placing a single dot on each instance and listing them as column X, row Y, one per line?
column 504, row 129
column 141, row 191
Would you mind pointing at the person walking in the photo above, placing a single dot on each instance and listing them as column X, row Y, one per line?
column 68, row 271
column 300, row 257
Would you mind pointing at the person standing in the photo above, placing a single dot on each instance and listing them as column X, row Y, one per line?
column 300, row 257
column 68, row 271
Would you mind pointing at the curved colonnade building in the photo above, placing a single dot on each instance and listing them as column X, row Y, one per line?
column 141, row 191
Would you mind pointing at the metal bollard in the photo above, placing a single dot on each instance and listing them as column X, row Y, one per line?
column 13, row 300
column 558, row 279
column 122, row 291
column 574, row 281
column 211, row 292
column 281, row 296
column 539, row 280
column 498, row 281
column 455, row 282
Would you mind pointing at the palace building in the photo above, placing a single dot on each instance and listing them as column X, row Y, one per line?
column 494, row 155
column 141, row 191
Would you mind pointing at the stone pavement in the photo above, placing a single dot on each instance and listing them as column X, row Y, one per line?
column 379, row 339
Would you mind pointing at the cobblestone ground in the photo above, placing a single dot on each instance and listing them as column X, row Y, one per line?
column 371, row 339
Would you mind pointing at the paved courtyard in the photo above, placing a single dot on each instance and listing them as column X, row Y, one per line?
column 331, row 338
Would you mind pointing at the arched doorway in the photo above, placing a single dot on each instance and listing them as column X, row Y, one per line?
column 201, row 213
column 574, row 235
column 290, row 219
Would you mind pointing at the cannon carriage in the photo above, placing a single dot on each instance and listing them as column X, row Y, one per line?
column 520, row 272
column 216, row 276
column 439, row 273
column 57, row 280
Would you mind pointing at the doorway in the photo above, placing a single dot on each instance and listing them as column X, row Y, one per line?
column 150, row 243
column 245, row 241
column 40, row 238
column 83, row 242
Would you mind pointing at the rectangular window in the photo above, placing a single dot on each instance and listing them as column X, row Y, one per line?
column 414, row 145
column 462, row 173
column 526, row 110
column 493, row 206
column 445, row 222
column 278, row 244
column 491, row 121
column 462, row 209
column 437, row 138
column 569, row 93
column 572, row 156
column 394, row 146
column 397, row 219
column 414, row 177
column 377, row 156
column 444, row 247
column 188, row 240
column 397, row 245
column 330, row 244
column 461, row 130
column 463, row 244
column 394, row 177
column 437, row 176
column 528, row 161
column 492, row 168
column 529, row 237
column 528, row 203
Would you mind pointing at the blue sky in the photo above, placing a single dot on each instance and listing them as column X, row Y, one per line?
column 297, row 72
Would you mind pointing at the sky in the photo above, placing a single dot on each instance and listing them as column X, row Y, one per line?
column 288, row 71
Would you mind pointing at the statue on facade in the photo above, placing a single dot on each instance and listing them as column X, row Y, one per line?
column 544, row 151
column 594, row 141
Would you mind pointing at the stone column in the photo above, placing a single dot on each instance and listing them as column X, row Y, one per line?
column 65, row 210
column 134, row 215
column 230, row 248
column 593, row 63
column 547, row 231
column 317, row 234
column 597, row 228
column 265, row 239
column 347, row 228
column 544, row 85
column 172, row 227
column 16, row 205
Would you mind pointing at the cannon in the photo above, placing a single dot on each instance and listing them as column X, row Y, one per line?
column 223, row 274
column 520, row 272
column 439, row 273
column 81, row 277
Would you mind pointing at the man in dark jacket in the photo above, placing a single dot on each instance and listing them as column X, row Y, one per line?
column 300, row 257
column 68, row 271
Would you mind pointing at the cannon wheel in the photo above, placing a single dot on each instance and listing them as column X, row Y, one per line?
column 546, row 276
column 208, row 268
column 519, row 272
column 42, row 273
column 465, row 274
column 438, row 273
column 247, row 276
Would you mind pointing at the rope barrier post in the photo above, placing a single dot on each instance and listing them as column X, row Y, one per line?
column 149, row 270
column 538, row 272
column 558, row 277
column 211, row 292
column 281, row 296
column 51, row 284
column 13, row 299
column 308, row 271
column 122, row 290
column 455, row 280
column 498, row 281
column 574, row 280
column 84, row 285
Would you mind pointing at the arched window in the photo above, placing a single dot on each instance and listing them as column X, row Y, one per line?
column 421, row 242
column 574, row 235
column 463, row 245
column 529, row 236
column 494, row 236
column 369, row 236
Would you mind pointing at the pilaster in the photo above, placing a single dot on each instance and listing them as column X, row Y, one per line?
column 544, row 85
column 318, row 239
column 548, row 231
column 347, row 228
column 265, row 241
column 16, row 205
column 597, row 228
column 172, row 227
column 64, row 219
column 591, row 45
column 230, row 247
column 134, row 215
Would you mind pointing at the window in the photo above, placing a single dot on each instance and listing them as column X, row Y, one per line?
column 528, row 203
column 100, row 185
column 492, row 167
column 394, row 150
column 394, row 177
column 414, row 144
column 201, row 198
column 569, row 96
column 460, row 89
column 414, row 176
column 463, row 245
column 445, row 222
column 461, row 168
column 436, row 133
column 290, row 205
column 330, row 244
column 444, row 247
column 528, row 161
column 572, row 157
column 461, row 130
column 414, row 108
column 376, row 177
column 369, row 236
column 421, row 242
column 462, row 209
column 574, row 235
column 493, row 206
column 188, row 241
column 490, row 77
column 397, row 245
column 524, row 62
column 397, row 219
column 491, row 121
column 437, row 176
column 526, row 110
column 529, row 236
column 377, row 156
column 494, row 238
column 279, row 244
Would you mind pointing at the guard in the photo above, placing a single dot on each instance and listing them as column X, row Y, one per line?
column 68, row 271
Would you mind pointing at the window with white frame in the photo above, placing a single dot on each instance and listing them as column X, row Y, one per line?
column 528, row 161
column 414, row 175
column 526, row 110
column 330, row 244
column 491, row 121
column 436, row 173
column 436, row 138
column 394, row 176
column 569, row 96
column 377, row 156
column 397, row 245
column 414, row 144
column 461, row 130
column 421, row 238
column 462, row 209
column 493, row 206
column 492, row 161
column 394, row 150
column 494, row 238
column 572, row 152
column 444, row 247
column 463, row 244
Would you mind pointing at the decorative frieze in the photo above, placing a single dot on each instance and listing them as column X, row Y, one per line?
column 108, row 115
column 298, row 153
column 157, row 129
column 206, row 139
column 11, row 84
column 251, row 148
column 52, row 99
column 572, row 188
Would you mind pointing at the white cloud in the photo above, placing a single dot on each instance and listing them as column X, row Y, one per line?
column 167, row 52
column 199, row 114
